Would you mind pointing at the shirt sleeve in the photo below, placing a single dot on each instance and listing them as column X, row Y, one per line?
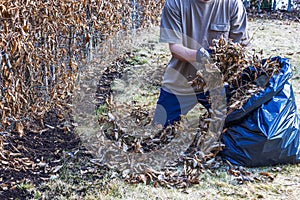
column 238, row 23
column 171, row 23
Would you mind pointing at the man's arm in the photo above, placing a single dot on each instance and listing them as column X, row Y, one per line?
column 238, row 23
column 188, row 55
column 183, row 53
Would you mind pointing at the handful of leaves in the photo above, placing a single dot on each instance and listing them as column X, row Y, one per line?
column 243, row 74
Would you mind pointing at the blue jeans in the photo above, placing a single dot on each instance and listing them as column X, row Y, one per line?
column 170, row 106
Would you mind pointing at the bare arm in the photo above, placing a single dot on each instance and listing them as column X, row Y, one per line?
column 183, row 53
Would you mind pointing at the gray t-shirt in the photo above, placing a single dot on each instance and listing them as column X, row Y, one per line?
column 195, row 24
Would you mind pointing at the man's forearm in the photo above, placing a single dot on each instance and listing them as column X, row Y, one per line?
column 183, row 53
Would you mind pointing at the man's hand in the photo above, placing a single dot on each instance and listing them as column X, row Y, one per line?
column 202, row 55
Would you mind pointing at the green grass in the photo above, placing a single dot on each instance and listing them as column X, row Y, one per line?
column 136, row 60
column 25, row 186
column 102, row 109
column 219, row 185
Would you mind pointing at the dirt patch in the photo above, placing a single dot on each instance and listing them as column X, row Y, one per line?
column 33, row 159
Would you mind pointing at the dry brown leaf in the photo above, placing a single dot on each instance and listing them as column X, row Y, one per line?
column 14, row 47
column 20, row 128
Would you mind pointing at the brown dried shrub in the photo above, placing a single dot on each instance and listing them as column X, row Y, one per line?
column 44, row 43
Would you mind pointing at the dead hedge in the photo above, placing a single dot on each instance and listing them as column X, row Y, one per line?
column 43, row 44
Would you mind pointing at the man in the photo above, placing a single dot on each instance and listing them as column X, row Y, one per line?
column 189, row 26
column 259, row 2
column 274, row 6
column 246, row 3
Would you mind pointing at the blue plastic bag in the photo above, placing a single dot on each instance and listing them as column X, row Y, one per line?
column 266, row 131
